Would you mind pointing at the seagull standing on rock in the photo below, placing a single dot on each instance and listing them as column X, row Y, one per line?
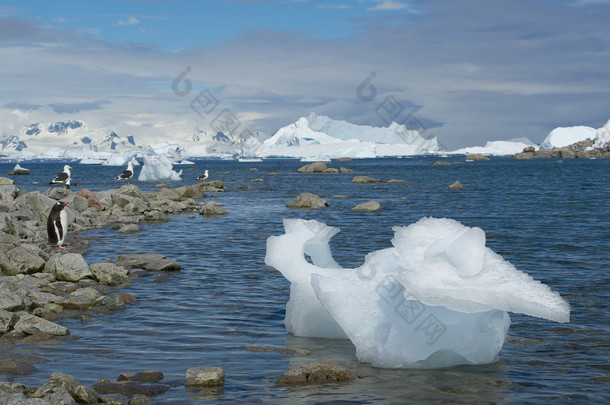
column 63, row 177
column 127, row 173
column 204, row 176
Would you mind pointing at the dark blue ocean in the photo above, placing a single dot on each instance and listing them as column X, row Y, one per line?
column 549, row 218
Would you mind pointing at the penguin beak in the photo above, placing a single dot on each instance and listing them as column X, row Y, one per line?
column 65, row 203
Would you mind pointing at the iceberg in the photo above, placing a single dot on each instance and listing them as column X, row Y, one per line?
column 602, row 137
column 564, row 136
column 438, row 298
column 158, row 167
column 497, row 148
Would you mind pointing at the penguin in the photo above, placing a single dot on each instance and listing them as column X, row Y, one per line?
column 204, row 176
column 57, row 225
column 126, row 174
column 62, row 177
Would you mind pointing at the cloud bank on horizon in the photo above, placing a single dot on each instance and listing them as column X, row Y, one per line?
column 469, row 73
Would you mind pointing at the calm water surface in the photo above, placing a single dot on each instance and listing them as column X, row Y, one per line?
column 549, row 219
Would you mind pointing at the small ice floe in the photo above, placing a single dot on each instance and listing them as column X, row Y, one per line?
column 438, row 298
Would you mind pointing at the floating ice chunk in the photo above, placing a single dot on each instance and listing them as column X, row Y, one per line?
column 305, row 316
column 437, row 280
column 157, row 167
column 438, row 298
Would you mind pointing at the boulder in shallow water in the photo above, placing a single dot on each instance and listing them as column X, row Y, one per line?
column 204, row 377
column 317, row 372
column 307, row 200
column 316, row 167
column 368, row 206
column 455, row 186
column 59, row 382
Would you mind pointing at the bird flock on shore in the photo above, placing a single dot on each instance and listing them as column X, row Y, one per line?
column 57, row 221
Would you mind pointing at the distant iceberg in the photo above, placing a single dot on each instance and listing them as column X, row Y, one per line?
column 602, row 136
column 438, row 298
column 564, row 136
column 320, row 135
column 498, row 148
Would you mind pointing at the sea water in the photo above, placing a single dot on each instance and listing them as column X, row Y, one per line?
column 548, row 218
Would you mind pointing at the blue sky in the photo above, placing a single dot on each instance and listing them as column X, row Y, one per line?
column 470, row 71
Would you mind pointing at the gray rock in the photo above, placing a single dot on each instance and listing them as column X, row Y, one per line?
column 476, row 156
column 83, row 298
column 59, row 382
column 316, row 167
column 109, row 273
column 79, row 203
column 140, row 399
column 68, row 267
column 19, row 260
column 10, row 360
column 211, row 209
column 146, row 376
column 18, row 398
column 365, row 179
column 7, row 320
column 523, row 156
column 38, row 204
column 31, row 324
column 205, row 377
column 130, row 228
column 58, row 193
column 345, row 170
column 11, row 301
column 368, row 206
column 529, row 149
column 61, row 397
column 5, row 181
column 307, row 200
column 114, row 399
column 12, row 387
column 442, row 163
column 133, row 191
column 155, row 216
column 148, row 261
column 131, row 388
column 317, row 372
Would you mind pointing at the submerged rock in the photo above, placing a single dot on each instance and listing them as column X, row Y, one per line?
column 365, row 179
column 317, row 372
column 212, row 209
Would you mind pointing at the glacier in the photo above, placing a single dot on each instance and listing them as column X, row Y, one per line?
column 438, row 298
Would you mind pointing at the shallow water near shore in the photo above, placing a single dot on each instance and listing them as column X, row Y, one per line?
column 549, row 219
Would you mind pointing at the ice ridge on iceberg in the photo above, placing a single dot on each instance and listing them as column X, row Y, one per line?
column 437, row 298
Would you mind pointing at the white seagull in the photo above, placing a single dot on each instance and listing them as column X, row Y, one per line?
column 204, row 176
column 62, row 177
column 126, row 174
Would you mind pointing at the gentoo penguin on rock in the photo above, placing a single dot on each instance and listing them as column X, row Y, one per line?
column 62, row 177
column 126, row 174
column 204, row 176
column 57, row 225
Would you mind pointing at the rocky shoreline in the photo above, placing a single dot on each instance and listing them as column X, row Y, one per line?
column 41, row 284
column 583, row 150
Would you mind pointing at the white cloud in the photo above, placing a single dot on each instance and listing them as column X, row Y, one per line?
column 385, row 5
column 129, row 21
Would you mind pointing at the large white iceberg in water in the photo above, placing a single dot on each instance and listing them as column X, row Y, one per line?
column 438, row 298
column 564, row 136
column 158, row 167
